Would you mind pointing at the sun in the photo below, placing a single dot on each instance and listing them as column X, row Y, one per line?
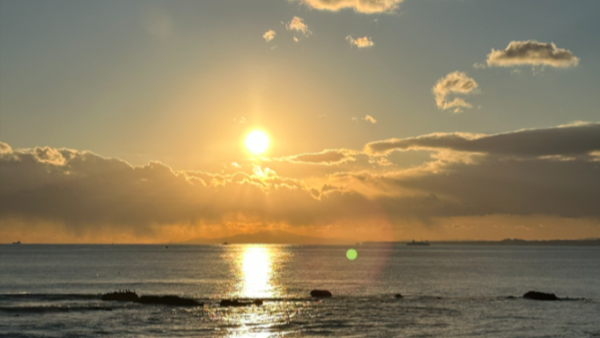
column 257, row 142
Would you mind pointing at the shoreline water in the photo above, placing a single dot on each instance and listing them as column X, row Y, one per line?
column 448, row 290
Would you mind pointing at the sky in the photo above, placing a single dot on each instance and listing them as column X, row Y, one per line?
column 387, row 120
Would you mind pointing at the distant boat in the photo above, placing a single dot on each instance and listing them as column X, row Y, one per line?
column 426, row 243
column 17, row 243
column 225, row 243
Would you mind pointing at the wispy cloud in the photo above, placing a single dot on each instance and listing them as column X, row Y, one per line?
column 361, row 6
column 370, row 118
column 327, row 157
column 363, row 42
column 533, row 53
column 453, row 83
column 569, row 140
column 269, row 35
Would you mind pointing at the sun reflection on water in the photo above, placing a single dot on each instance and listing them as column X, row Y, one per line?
column 257, row 272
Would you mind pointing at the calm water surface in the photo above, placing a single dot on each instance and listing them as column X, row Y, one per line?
column 449, row 291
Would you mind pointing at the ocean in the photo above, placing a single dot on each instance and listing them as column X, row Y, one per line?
column 448, row 290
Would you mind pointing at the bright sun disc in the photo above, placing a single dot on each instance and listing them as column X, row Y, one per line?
column 257, row 142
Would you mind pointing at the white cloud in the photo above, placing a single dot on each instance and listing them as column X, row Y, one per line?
column 370, row 118
column 364, row 42
column 297, row 24
column 453, row 83
column 269, row 35
column 533, row 53
column 361, row 6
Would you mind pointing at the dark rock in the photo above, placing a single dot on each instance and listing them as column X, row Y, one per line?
column 320, row 293
column 235, row 303
column 123, row 296
column 540, row 296
column 398, row 295
column 169, row 300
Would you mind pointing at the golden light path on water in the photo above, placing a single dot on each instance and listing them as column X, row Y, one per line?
column 255, row 269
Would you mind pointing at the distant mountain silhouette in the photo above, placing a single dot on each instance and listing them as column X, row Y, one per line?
column 516, row 241
column 268, row 237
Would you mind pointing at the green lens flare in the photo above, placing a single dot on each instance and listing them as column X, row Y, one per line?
column 351, row 254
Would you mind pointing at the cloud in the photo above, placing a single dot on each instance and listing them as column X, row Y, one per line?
column 456, row 82
column 5, row 148
column 269, row 35
column 361, row 6
column 328, row 157
column 533, row 53
column 370, row 118
column 527, row 172
column 570, row 140
column 86, row 190
column 297, row 24
column 364, row 42
column 550, row 173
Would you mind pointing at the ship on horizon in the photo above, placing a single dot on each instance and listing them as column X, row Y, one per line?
column 426, row 243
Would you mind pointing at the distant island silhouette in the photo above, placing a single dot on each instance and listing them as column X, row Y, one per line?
column 269, row 237
column 508, row 241
column 282, row 237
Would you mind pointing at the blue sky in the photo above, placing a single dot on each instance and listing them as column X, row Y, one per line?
column 183, row 82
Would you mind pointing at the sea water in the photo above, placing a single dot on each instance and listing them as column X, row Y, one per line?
column 448, row 290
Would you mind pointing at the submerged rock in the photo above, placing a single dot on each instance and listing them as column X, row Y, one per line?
column 320, row 293
column 169, row 300
column 122, row 296
column 235, row 302
column 540, row 296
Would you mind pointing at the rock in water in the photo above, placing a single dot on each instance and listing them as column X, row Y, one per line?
column 320, row 293
column 123, row 296
column 540, row 296
column 397, row 295
column 169, row 300
column 235, row 302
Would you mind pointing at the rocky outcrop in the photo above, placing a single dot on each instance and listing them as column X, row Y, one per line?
column 121, row 296
column 130, row 296
column 236, row 303
column 169, row 300
column 320, row 294
column 540, row 296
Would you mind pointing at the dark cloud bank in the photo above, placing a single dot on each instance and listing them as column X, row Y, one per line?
column 553, row 171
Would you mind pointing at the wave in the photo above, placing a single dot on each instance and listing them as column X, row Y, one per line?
column 52, row 309
column 48, row 296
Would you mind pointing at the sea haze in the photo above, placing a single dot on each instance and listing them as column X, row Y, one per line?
column 448, row 290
